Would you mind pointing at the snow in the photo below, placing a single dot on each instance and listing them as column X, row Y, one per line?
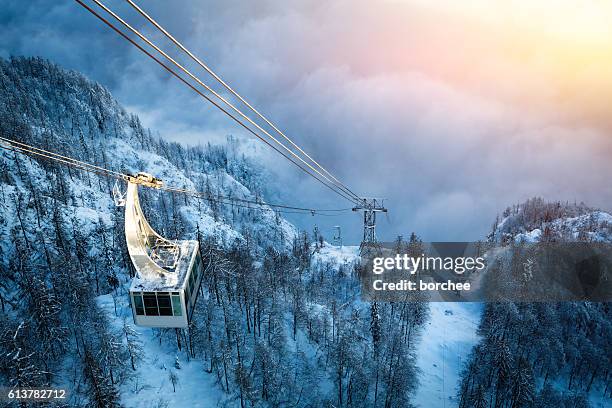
column 575, row 223
column 442, row 351
column 529, row 237
column 444, row 346
column 336, row 255
column 597, row 219
column 151, row 382
column 595, row 397
column 147, row 279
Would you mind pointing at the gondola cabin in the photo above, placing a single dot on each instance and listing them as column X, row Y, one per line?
column 168, row 273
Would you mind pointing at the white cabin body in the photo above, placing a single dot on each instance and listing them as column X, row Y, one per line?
column 168, row 273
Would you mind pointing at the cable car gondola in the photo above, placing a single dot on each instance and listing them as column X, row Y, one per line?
column 168, row 274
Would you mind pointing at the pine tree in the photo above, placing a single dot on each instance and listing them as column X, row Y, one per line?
column 134, row 346
column 101, row 391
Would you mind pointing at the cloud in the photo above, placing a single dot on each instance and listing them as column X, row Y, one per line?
column 449, row 116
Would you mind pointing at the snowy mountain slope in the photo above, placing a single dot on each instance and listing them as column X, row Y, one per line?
column 89, row 125
column 336, row 256
column 536, row 220
column 151, row 385
column 444, row 348
column 543, row 354
column 57, row 217
column 454, row 330
column 195, row 387
column 279, row 321
column 595, row 226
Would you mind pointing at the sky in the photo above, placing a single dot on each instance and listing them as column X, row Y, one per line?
column 449, row 110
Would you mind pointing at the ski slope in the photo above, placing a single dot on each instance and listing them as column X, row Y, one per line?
column 445, row 345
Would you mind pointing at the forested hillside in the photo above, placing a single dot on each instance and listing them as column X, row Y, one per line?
column 543, row 354
column 279, row 321
column 537, row 220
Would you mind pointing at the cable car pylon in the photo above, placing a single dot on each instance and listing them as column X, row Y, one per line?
column 337, row 239
column 370, row 206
